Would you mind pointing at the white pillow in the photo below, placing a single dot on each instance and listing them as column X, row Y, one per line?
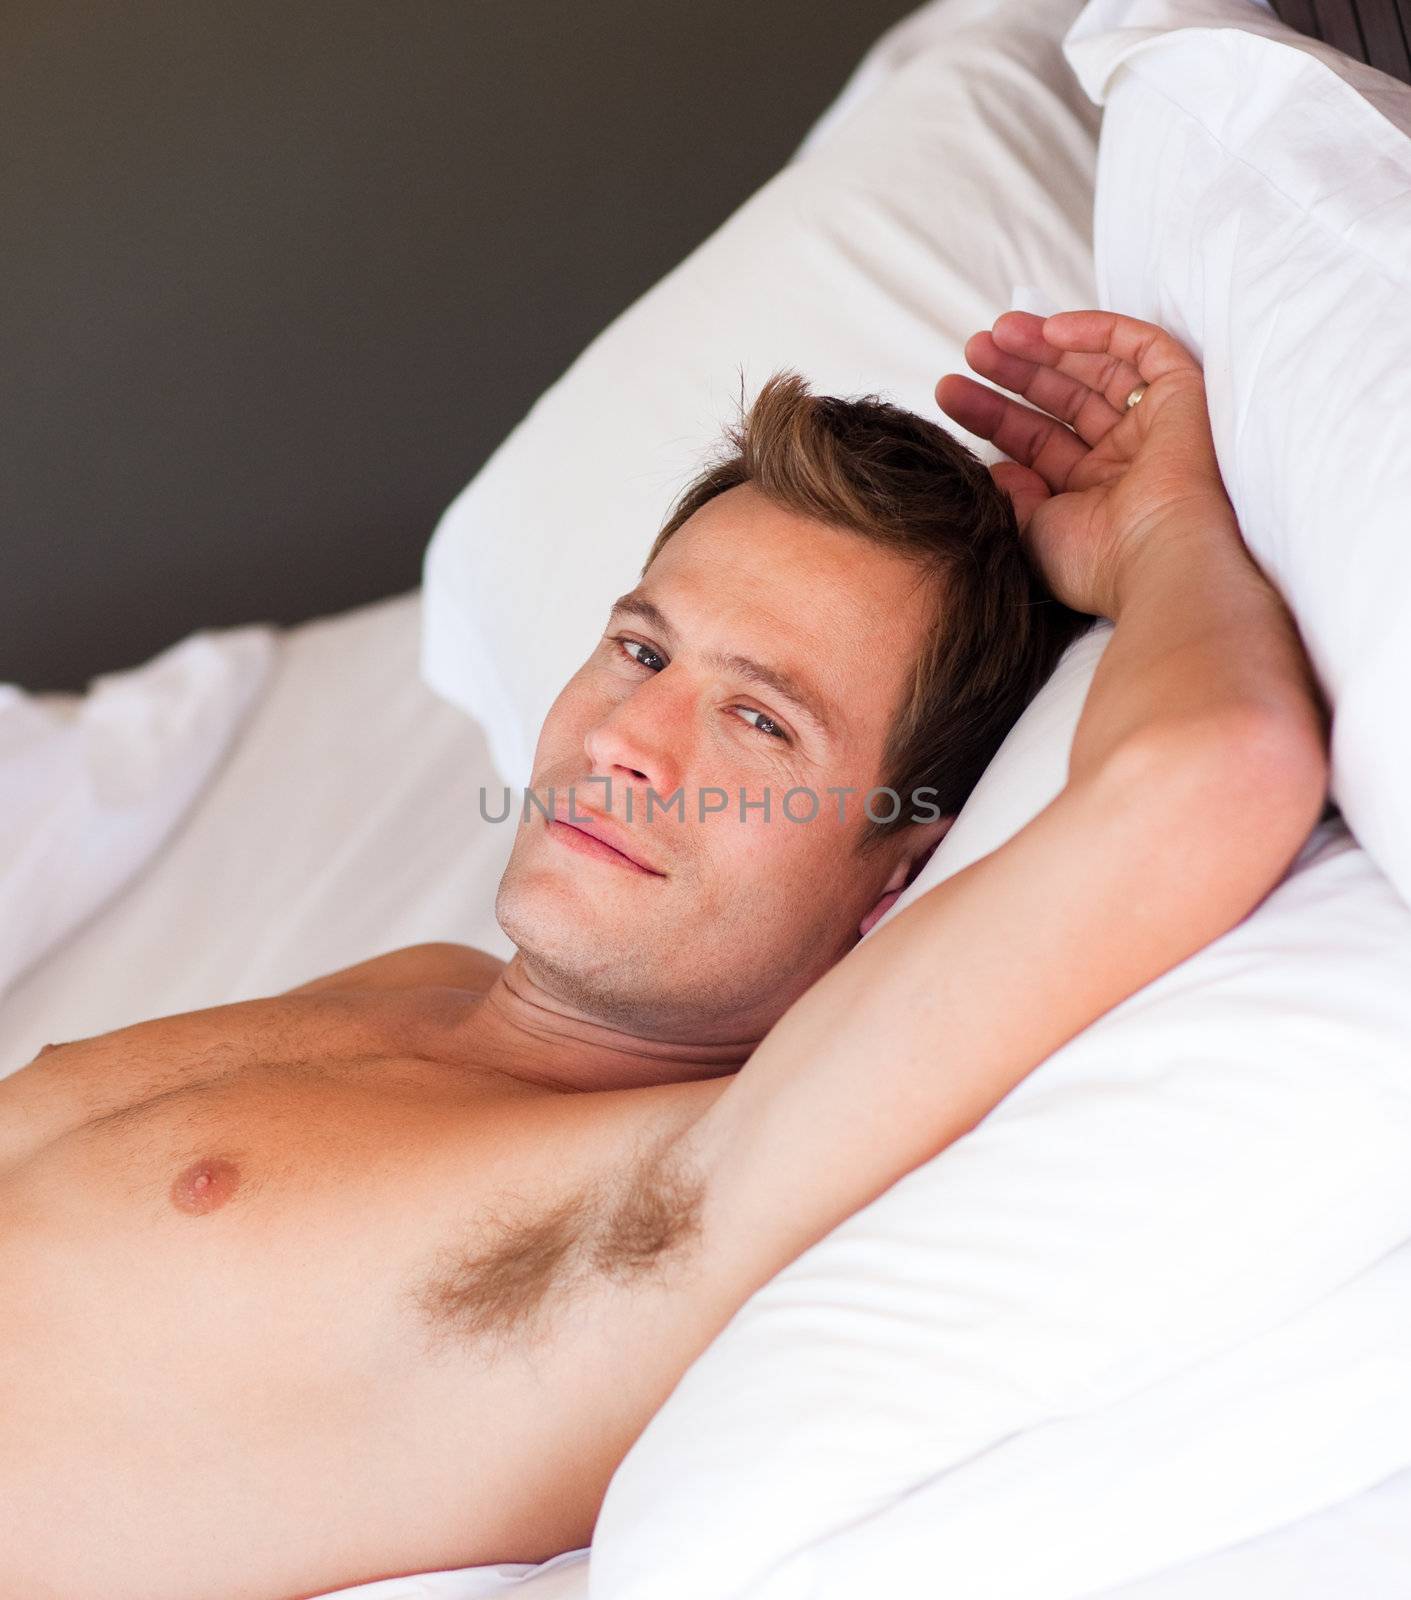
column 956, row 164
column 1205, row 1160
column 1293, row 1422
column 1254, row 196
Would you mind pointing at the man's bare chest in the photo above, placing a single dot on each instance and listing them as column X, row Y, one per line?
column 304, row 1231
column 336, row 1118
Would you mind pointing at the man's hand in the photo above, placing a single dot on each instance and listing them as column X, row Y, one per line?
column 1092, row 480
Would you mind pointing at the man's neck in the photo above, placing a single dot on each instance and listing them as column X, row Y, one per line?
column 523, row 1029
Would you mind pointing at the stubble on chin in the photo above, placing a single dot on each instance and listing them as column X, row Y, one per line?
column 581, row 977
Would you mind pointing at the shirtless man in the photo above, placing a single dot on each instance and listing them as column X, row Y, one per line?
column 387, row 1273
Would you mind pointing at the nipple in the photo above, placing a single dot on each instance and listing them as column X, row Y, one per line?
column 205, row 1185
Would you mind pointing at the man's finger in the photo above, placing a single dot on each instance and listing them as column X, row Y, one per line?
column 1009, row 363
column 1150, row 349
column 1028, row 437
column 1021, row 334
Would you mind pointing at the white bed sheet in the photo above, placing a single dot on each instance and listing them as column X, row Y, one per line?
column 347, row 821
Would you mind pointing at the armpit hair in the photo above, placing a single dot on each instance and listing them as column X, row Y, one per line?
column 641, row 1219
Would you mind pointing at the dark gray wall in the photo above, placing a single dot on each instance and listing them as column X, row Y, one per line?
column 279, row 276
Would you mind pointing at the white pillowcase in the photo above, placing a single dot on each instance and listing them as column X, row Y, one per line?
column 1295, row 1421
column 956, row 164
column 1254, row 196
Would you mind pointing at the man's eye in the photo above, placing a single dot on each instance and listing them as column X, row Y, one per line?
column 766, row 724
column 647, row 652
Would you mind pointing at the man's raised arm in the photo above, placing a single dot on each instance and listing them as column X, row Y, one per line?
column 1198, row 769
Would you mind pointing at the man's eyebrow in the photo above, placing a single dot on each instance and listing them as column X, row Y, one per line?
column 802, row 696
column 640, row 606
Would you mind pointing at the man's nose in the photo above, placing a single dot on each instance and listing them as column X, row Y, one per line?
column 641, row 740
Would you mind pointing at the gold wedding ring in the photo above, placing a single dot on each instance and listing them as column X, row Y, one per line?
column 1136, row 395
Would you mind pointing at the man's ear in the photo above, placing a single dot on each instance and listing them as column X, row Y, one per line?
column 921, row 841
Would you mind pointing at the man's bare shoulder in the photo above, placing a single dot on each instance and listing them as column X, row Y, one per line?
column 415, row 966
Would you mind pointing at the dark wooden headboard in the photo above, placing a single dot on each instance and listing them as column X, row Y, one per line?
column 1375, row 31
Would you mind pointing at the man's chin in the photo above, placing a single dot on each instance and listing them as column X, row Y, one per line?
column 558, row 909
column 573, row 959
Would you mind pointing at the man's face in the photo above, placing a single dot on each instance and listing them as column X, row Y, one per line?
column 742, row 912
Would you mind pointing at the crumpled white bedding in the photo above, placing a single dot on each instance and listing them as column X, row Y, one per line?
column 562, row 1577
column 91, row 786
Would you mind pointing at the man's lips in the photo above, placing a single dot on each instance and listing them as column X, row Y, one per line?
column 591, row 833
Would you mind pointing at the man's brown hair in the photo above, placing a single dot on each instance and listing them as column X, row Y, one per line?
column 887, row 474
